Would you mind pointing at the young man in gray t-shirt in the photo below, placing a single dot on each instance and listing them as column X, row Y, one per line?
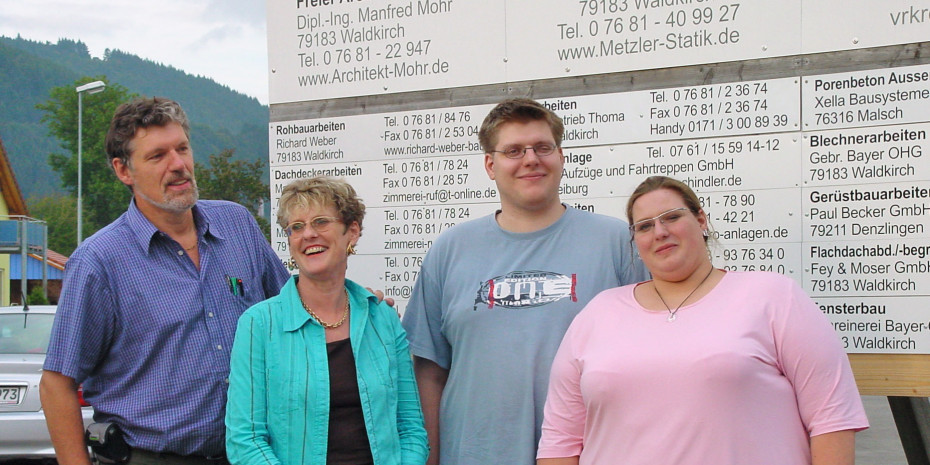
column 495, row 295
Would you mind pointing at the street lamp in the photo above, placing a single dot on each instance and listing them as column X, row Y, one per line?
column 90, row 88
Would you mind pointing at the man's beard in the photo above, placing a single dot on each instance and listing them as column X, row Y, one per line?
column 179, row 203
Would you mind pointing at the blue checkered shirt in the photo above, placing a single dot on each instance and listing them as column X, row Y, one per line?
column 149, row 335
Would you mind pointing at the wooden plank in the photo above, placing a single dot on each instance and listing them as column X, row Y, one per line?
column 905, row 375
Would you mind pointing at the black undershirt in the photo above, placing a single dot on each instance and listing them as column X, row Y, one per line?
column 348, row 438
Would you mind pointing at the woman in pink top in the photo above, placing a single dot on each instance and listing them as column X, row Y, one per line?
column 698, row 366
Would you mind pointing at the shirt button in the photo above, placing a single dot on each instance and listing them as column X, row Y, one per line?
column 219, row 347
column 180, row 252
column 227, row 380
column 210, row 314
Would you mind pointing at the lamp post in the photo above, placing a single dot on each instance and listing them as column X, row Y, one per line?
column 90, row 88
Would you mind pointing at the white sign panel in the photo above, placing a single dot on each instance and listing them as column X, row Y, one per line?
column 323, row 49
column 872, row 155
column 426, row 133
column 867, row 98
column 751, row 107
column 830, row 25
column 866, row 204
column 319, row 49
column 879, row 324
column 577, row 38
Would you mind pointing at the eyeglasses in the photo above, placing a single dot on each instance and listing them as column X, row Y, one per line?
column 542, row 149
column 669, row 217
column 320, row 224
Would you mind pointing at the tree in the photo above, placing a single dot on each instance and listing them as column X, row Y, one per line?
column 60, row 213
column 104, row 196
column 36, row 296
column 234, row 180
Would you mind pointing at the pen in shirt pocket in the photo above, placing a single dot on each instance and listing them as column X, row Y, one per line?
column 235, row 285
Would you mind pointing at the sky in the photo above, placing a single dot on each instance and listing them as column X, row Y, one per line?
column 224, row 40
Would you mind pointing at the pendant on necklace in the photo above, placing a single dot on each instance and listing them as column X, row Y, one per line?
column 671, row 313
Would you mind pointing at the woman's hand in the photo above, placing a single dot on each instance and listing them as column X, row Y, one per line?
column 380, row 296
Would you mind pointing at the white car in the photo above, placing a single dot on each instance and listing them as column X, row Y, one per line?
column 24, row 335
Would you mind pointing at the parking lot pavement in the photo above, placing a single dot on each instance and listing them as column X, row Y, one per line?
column 880, row 444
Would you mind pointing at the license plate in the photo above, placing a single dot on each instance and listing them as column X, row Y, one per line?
column 11, row 395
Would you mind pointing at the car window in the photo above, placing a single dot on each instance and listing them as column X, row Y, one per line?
column 25, row 333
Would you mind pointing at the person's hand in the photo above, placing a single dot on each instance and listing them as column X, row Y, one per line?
column 380, row 296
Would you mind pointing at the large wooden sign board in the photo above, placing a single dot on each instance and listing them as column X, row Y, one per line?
column 804, row 127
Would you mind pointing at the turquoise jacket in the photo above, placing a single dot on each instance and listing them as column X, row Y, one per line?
column 278, row 407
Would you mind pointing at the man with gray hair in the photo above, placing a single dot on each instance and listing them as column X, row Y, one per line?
column 149, row 303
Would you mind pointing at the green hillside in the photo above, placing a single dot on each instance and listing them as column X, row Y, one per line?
column 221, row 118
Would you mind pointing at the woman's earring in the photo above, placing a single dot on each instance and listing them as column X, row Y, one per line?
column 350, row 250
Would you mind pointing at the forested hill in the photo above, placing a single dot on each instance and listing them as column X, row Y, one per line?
column 221, row 118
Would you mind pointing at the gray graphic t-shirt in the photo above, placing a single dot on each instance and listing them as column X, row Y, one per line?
column 492, row 307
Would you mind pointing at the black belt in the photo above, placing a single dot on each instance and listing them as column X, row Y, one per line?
column 169, row 458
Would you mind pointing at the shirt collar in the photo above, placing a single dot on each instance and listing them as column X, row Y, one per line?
column 145, row 232
column 296, row 317
column 294, row 314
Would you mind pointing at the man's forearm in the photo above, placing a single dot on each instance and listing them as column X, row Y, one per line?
column 63, row 417
column 431, row 380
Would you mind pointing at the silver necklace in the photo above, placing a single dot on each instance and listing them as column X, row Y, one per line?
column 671, row 314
